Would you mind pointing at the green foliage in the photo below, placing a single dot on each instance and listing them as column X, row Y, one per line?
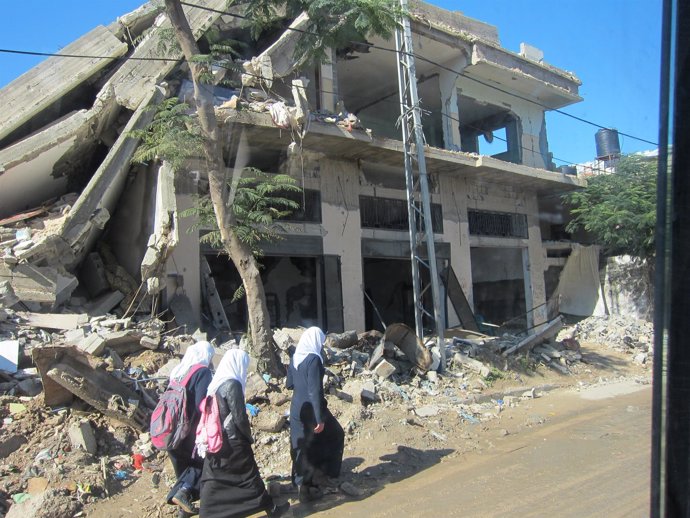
column 619, row 209
column 173, row 135
column 258, row 204
column 167, row 44
column 493, row 376
column 222, row 54
column 332, row 23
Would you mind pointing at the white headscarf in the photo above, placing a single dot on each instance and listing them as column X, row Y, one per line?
column 200, row 352
column 233, row 366
column 311, row 342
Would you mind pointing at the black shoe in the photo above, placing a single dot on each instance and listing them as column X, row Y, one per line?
column 308, row 493
column 184, row 500
column 181, row 513
column 278, row 510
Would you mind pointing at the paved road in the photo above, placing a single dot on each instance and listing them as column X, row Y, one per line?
column 590, row 459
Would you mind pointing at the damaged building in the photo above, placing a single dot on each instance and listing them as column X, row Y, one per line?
column 84, row 227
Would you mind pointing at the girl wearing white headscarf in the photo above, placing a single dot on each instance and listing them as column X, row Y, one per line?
column 196, row 360
column 316, row 438
column 231, row 486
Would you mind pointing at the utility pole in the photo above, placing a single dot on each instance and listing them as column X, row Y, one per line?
column 417, row 184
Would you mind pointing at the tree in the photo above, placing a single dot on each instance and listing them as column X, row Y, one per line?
column 619, row 209
column 332, row 23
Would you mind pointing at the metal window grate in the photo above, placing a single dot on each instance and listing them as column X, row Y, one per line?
column 391, row 214
column 499, row 224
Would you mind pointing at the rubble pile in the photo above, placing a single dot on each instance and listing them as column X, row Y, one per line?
column 76, row 394
column 621, row 333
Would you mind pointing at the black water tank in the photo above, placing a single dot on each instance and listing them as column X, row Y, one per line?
column 607, row 144
column 568, row 169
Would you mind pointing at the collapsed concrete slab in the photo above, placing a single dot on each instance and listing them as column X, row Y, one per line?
column 136, row 79
column 67, row 372
column 162, row 242
column 55, row 77
column 276, row 61
column 406, row 340
column 42, row 284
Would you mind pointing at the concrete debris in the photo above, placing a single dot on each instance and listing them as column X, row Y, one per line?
column 406, row 340
column 476, row 366
column 368, row 393
column 117, row 380
column 81, row 436
column 272, row 422
column 547, row 331
column 427, row 411
column 256, row 388
column 384, row 369
column 342, row 340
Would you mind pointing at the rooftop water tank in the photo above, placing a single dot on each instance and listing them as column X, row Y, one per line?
column 607, row 144
column 569, row 169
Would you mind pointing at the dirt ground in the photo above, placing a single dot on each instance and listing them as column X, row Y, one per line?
column 401, row 434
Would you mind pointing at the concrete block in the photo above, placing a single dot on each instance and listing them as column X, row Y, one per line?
column 7, row 296
column 105, row 303
column 74, row 336
column 384, row 369
column 30, row 387
column 270, row 422
column 81, row 436
column 92, row 344
column 61, row 321
column 256, row 388
column 427, row 411
column 150, row 342
column 368, row 393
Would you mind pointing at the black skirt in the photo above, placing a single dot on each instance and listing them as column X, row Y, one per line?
column 312, row 452
column 231, row 486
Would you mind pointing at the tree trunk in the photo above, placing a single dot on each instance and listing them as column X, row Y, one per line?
column 263, row 346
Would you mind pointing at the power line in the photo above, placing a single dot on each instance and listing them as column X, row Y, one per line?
column 125, row 58
column 448, row 69
column 370, row 45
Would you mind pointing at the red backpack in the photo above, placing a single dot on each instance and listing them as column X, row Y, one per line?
column 209, row 431
column 169, row 421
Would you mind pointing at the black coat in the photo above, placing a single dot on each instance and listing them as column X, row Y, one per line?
column 311, row 451
column 231, row 486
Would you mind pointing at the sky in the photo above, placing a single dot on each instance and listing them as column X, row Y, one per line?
column 612, row 46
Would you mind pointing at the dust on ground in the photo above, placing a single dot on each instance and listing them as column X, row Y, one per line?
column 395, row 426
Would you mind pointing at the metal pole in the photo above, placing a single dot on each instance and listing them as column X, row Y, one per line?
column 420, row 221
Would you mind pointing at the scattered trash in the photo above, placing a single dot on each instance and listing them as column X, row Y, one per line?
column 121, row 474
column 252, row 409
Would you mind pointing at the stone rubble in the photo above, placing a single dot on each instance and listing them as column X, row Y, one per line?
column 79, row 454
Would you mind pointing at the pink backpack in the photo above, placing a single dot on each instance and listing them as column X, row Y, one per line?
column 169, row 421
column 209, row 431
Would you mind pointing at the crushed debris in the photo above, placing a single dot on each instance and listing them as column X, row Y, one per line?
column 83, row 437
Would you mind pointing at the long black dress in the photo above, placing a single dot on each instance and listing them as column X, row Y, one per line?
column 187, row 466
column 312, row 451
column 231, row 486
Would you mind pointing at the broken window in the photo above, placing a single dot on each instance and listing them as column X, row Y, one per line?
column 487, row 129
column 292, row 286
column 498, row 286
column 391, row 214
column 498, row 224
